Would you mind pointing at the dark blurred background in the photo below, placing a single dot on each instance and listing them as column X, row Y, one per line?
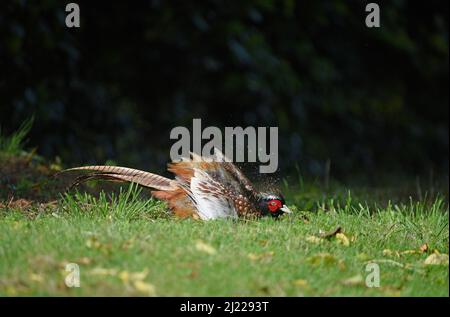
column 348, row 100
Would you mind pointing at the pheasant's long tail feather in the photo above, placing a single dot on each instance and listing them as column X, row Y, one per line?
column 124, row 174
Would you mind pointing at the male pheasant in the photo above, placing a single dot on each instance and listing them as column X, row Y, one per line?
column 203, row 188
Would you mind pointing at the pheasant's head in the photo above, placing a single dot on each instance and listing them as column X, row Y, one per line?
column 273, row 204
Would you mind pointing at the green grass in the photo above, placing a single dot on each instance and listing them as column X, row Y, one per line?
column 129, row 245
column 12, row 145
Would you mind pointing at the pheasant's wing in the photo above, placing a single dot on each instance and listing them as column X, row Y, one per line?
column 208, row 192
column 233, row 170
column 124, row 174
column 219, row 168
column 210, row 197
column 212, row 184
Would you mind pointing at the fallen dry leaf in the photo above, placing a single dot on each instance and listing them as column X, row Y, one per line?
column 36, row 277
column 204, row 247
column 363, row 256
column 424, row 248
column 342, row 239
column 322, row 258
column 336, row 233
column 341, row 265
column 436, row 259
column 330, row 234
column 136, row 280
column 144, row 288
column 388, row 252
column 262, row 256
column 301, row 283
column 263, row 242
column 127, row 277
column 314, row 239
column 84, row 260
column 353, row 281
column 409, row 252
column 94, row 243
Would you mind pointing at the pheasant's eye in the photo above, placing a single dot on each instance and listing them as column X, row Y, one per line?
column 274, row 205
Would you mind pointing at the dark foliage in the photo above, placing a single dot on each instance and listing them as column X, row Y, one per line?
column 364, row 99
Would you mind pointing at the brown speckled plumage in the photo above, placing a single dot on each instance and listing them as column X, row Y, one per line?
column 201, row 189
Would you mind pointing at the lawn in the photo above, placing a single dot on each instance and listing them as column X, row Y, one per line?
column 130, row 246
column 126, row 243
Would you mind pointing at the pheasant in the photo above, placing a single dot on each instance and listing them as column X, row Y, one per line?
column 202, row 188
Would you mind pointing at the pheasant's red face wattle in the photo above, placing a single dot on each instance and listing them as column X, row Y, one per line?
column 274, row 205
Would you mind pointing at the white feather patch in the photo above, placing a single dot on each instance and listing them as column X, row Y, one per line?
column 209, row 197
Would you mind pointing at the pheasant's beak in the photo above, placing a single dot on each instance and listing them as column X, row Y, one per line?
column 285, row 209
